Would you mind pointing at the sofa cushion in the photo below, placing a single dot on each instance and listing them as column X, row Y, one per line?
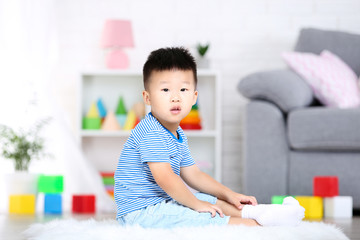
column 343, row 44
column 284, row 88
column 334, row 83
column 324, row 129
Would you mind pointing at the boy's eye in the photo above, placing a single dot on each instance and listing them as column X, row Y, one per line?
column 183, row 89
column 165, row 89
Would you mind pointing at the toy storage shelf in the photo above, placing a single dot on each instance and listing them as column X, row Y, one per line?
column 103, row 148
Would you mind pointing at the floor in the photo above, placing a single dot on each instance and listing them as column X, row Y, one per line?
column 11, row 226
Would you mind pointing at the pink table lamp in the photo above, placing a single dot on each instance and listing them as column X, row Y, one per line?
column 117, row 35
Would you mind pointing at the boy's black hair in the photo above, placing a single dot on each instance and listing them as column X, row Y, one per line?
column 174, row 58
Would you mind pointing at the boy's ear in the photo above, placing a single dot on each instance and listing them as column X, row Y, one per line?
column 146, row 97
column 195, row 97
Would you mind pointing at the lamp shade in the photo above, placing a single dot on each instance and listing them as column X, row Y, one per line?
column 117, row 33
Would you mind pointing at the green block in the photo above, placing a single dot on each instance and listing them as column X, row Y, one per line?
column 121, row 107
column 108, row 181
column 91, row 123
column 277, row 199
column 51, row 184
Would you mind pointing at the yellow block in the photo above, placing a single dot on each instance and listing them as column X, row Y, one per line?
column 130, row 120
column 22, row 204
column 93, row 111
column 193, row 113
column 313, row 206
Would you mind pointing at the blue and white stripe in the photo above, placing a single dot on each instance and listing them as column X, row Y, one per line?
column 135, row 187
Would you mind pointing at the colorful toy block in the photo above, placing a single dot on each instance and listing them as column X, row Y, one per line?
column 107, row 174
column 338, row 207
column 110, row 192
column 326, row 186
column 22, row 204
column 51, row 184
column 313, row 206
column 187, row 126
column 121, row 113
column 53, row 203
column 121, row 118
column 108, row 181
column 83, row 203
column 101, row 108
column 110, row 122
column 120, row 109
column 91, row 123
column 21, row 183
column 277, row 199
column 92, row 120
column 131, row 120
column 192, row 121
column 93, row 111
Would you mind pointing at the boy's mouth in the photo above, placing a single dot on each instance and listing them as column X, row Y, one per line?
column 175, row 110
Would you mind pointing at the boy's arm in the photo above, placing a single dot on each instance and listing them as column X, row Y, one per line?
column 175, row 187
column 202, row 182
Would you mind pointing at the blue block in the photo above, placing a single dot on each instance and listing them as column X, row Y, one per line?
column 121, row 119
column 53, row 203
column 101, row 108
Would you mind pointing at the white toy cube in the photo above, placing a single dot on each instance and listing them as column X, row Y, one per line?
column 338, row 207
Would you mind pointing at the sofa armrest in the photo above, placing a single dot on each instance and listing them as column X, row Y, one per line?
column 266, row 151
column 284, row 88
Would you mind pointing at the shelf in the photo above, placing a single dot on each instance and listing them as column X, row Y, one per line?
column 101, row 133
column 103, row 148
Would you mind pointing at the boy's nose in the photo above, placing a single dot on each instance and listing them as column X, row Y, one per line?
column 175, row 99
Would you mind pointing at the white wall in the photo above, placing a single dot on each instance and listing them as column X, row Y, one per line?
column 245, row 36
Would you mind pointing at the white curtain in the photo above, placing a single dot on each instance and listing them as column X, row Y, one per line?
column 28, row 57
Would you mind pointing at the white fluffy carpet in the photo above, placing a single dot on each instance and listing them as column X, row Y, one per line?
column 91, row 229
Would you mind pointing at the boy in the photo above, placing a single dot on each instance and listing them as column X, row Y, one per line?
column 155, row 162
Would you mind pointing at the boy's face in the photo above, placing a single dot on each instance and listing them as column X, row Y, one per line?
column 171, row 95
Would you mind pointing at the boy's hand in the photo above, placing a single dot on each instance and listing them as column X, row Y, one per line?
column 203, row 206
column 239, row 200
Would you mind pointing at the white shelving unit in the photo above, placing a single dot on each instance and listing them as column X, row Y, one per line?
column 103, row 148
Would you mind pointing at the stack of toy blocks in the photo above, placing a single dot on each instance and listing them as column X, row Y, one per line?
column 108, row 180
column 83, row 204
column 22, row 194
column 325, row 200
column 335, row 206
column 52, row 187
column 92, row 120
column 192, row 121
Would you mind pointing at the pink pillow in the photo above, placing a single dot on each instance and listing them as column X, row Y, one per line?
column 334, row 83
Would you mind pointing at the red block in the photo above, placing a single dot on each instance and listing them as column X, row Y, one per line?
column 326, row 186
column 190, row 126
column 83, row 203
column 107, row 174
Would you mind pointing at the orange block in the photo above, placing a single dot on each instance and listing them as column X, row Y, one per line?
column 190, row 120
column 110, row 192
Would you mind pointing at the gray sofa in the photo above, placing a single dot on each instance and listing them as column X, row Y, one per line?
column 289, row 137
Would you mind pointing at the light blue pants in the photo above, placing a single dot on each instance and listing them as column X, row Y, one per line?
column 169, row 214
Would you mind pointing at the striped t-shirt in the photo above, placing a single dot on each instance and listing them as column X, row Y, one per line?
column 135, row 187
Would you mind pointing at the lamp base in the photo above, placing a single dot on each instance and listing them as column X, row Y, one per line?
column 117, row 59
